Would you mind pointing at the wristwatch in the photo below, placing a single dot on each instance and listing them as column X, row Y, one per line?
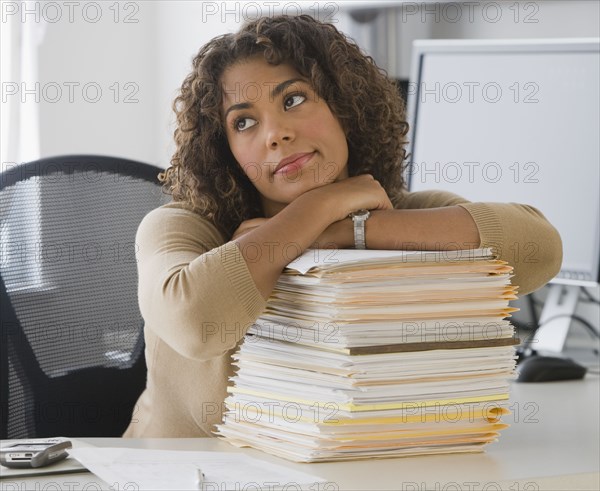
column 359, row 218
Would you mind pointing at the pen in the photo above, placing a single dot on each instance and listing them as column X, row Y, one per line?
column 200, row 479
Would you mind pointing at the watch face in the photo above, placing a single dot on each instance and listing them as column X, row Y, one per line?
column 360, row 214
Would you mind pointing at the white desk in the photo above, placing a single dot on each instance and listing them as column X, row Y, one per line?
column 553, row 444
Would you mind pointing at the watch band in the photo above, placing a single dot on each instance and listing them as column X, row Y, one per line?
column 359, row 218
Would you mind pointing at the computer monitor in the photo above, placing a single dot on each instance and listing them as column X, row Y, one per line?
column 515, row 121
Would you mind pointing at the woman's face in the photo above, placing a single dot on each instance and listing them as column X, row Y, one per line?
column 285, row 138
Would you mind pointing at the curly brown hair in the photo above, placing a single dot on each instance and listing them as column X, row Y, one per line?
column 203, row 171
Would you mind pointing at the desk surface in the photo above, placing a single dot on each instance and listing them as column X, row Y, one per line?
column 553, row 443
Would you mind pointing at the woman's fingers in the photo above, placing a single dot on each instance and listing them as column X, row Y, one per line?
column 362, row 191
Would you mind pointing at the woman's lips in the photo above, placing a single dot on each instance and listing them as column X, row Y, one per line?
column 295, row 164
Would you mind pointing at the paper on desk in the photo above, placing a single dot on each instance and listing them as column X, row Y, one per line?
column 177, row 469
column 332, row 258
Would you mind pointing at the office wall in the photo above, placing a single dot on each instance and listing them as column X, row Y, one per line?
column 388, row 37
column 108, row 75
column 97, row 75
column 139, row 53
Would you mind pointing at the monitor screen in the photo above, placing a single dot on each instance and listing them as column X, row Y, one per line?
column 514, row 121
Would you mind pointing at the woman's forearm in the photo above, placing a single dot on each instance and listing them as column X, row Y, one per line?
column 267, row 249
column 446, row 228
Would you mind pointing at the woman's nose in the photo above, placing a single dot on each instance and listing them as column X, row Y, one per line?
column 277, row 133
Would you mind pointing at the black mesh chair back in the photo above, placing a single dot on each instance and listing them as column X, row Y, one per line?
column 72, row 341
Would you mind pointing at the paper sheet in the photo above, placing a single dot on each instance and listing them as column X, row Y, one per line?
column 177, row 469
column 326, row 258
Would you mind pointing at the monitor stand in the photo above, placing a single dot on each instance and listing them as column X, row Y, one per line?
column 555, row 319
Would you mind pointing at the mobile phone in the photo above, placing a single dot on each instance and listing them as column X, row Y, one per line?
column 34, row 453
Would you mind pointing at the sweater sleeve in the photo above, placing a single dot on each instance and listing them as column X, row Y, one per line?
column 518, row 234
column 195, row 291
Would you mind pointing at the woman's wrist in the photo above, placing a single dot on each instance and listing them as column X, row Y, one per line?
column 375, row 234
column 321, row 204
column 339, row 235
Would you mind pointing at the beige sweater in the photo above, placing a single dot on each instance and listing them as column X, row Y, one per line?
column 198, row 299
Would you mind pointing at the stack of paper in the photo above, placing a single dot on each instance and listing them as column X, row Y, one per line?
column 377, row 354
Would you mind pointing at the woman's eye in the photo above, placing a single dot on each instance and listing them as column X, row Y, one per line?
column 242, row 124
column 294, row 100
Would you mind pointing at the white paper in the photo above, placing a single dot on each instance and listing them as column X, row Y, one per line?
column 313, row 258
column 148, row 469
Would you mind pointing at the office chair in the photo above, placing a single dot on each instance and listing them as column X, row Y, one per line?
column 72, row 343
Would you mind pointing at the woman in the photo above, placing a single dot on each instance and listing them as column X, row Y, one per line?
column 284, row 129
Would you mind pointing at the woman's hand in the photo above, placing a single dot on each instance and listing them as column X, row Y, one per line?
column 248, row 225
column 342, row 198
column 352, row 194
